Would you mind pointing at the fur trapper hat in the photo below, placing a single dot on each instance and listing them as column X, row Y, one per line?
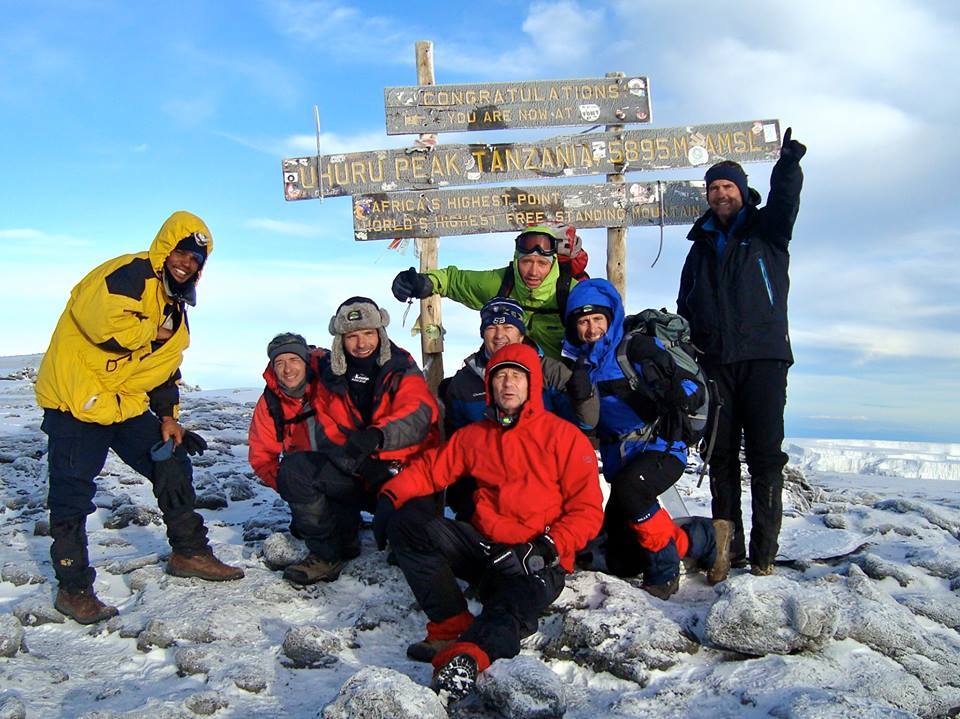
column 357, row 313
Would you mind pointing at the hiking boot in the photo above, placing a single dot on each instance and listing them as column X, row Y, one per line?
column 313, row 569
column 663, row 591
column 457, row 677
column 761, row 570
column 723, row 531
column 83, row 606
column 202, row 566
column 426, row 650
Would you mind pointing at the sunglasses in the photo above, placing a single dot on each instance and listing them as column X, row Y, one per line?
column 534, row 242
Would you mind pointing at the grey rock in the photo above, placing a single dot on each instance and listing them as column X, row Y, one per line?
column 157, row 634
column 948, row 520
column 206, row 703
column 211, row 500
column 127, row 514
column 523, row 688
column 249, row 679
column 945, row 610
column 281, row 550
column 11, row 635
column 34, row 611
column 311, row 647
column 127, row 626
column 872, row 617
column 125, row 566
column 193, row 660
column 19, row 574
column 379, row 693
column 629, row 637
column 41, row 528
column 820, row 704
column 876, row 567
column 239, row 489
column 12, row 707
column 771, row 615
column 835, row 521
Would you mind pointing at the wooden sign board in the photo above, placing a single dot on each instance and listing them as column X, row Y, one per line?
column 501, row 105
column 466, row 211
column 600, row 153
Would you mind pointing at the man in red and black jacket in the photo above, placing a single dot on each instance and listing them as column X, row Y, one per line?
column 538, row 502
column 284, row 420
column 374, row 414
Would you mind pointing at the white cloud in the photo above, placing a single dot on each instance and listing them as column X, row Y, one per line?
column 26, row 237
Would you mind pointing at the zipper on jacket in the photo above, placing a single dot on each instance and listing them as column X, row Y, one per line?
column 766, row 279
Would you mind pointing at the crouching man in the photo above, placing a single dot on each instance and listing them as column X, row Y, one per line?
column 374, row 414
column 537, row 501
column 109, row 381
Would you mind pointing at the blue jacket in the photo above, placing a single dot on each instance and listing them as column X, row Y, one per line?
column 618, row 420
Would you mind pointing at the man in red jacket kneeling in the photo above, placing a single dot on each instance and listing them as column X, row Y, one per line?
column 538, row 502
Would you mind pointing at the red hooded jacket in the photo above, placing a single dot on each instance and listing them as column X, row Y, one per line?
column 264, row 449
column 538, row 476
column 404, row 410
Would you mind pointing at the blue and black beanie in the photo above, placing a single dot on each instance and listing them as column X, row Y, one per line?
column 502, row 311
column 732, row 171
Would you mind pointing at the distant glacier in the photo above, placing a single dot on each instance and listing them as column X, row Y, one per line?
column 912, row 460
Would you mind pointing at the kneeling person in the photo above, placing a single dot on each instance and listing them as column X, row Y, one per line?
column 537, row 501
column 374, row 414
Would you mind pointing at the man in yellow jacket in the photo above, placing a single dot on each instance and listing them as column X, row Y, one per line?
column 109, row 381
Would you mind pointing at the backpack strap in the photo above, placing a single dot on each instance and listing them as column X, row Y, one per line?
column 563, row 288
column 506, row 284
column 276, row 412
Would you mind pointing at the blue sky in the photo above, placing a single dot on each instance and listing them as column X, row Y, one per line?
column 117, row 113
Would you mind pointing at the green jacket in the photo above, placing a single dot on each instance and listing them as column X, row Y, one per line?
column 474, row 288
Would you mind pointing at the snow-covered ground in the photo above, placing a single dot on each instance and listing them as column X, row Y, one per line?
column 860, row 620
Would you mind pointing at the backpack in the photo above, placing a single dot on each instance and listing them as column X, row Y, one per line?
column 276, row 412
column 673, row 331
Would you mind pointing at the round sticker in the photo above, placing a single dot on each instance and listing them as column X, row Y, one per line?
column 698, row 155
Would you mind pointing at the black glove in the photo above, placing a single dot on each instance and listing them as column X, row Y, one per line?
column 193, row 443
column 374, row 473
column 172, row 487
column 579, row 386
column 791, row 149
column 517, row 560
column 411, row 283
column 381, row 520
column 350, row 458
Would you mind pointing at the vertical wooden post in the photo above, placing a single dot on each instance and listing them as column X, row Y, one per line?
column 431, row 334
column 617, row 236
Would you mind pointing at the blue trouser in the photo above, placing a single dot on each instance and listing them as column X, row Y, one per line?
column 76, row 452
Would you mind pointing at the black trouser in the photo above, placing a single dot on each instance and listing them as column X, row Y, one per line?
column 325, row 503
column 76, row 452
column 633, row 491
column 754, row 394
column 433, row 551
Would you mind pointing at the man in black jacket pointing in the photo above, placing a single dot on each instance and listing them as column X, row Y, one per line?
column 733, row 291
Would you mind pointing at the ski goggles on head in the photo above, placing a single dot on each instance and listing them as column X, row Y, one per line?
column 534, row 242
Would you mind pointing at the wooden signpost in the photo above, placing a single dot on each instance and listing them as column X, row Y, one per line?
column 502, row 105
column 468, row 211
column 601, row 153
column 424, row 191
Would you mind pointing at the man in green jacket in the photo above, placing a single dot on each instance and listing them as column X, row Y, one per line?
column 535, row 278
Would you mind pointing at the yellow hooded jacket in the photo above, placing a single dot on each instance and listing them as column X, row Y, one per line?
column 101, row 362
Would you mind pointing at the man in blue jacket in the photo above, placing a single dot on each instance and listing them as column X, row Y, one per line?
column 733, row 291
column 641, row 445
